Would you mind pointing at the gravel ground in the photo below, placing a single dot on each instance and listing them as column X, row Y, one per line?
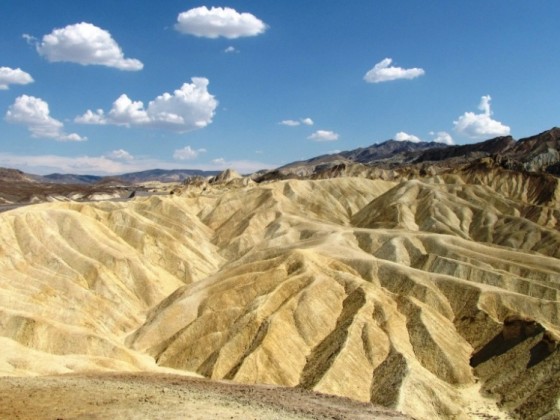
column 140, row 396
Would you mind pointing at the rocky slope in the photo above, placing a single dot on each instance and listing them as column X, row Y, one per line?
column 536, row 153
column 539, row 153
column 436, row 296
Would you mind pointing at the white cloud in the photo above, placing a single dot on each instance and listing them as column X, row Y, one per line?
column 217, row 22
column 295, row 123
column 85, row 44
column 30, row 39
column 90, row 117
column 219, row 161
column 480, row 126
column 231, row 49
column 402, row 136
column 439, row 137
column 127, row 112
column 120, row 154
column 323, row 135
column 442, row 137
column 9, row 76
column 290, row 123
column 187, row 153
column 241, row 166
column 34, row 113
column 384, row 72
column 87, row 165
column 189, row 108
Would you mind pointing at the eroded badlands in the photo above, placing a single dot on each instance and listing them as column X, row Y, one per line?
column 437, row 297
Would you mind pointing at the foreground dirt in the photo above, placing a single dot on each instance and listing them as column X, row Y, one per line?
column 126, row 396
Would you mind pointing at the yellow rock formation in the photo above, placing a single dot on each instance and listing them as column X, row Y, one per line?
column 436, row 296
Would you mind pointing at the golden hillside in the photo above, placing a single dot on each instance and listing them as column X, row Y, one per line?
column 434, row 296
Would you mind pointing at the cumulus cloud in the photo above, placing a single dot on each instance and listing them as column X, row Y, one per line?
column 442, row 137
column 290, row 123
column 295, row 123
column 219, row 22
column 85, row 44
column 231, row 49
column 9, row 76
column 120, row 154
column 188, row 108
column 439, row 137
column 34, row 113
column 90, row 117
column 480, row 126
column 384, row 72
column 402, row 136
column 127, row 112
column 187, row 153
column 323, row 135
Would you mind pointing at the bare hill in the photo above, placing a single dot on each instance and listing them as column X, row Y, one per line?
column 539, row 153
column 435, row 296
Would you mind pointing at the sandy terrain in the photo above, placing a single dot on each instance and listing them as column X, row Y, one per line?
column 150, row 396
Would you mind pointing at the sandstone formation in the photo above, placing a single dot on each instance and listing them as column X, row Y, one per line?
column 434, row 295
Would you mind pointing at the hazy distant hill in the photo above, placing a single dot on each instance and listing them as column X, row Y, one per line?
column 164, row 175
column 161, row 175
column 15, row 175
column 71, row 178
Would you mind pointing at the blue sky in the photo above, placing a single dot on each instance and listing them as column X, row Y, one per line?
column 108, row 87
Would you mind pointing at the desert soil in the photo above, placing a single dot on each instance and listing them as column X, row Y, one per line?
column 145, row 395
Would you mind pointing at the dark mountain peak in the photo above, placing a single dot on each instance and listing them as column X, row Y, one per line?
column 498, row 145
column 390, row 149
column 537, row 153
column 551, row 137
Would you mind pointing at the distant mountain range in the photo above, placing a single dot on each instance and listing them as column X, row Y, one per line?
column 161, row 175
column 539, row 153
